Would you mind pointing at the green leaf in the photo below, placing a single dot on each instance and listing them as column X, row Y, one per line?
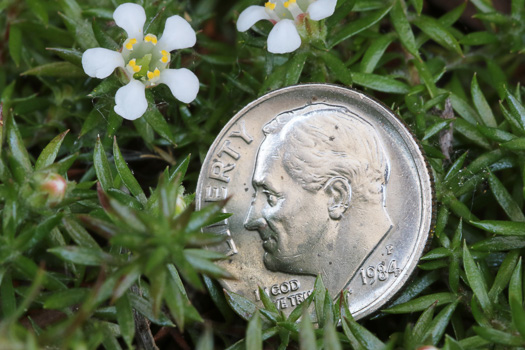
column 420, row 330
column 330, row 339
column 438, row 33
column 32, row 236
column 416, row 287
column 493, row 17
column 496, row 134
column 517, row 9
column 298, row 311
column 319, row 296
column 125, row 319
column 82, row 256
column 481, row 104
column 435, row 128
column 81, row 30
column 517, row 110
column 364, row 336
column 455, row 169
column 507, row 228
column 242, row 306
column 30, row 270
column 499, row 337
column 474, row 342
column 342, row 10
column 451, row 344
column 158, row 123
column 39, row 9
column 144, row 307
column 49, row 153
column 57, row 70
column 7, row 296
column 100, row 161
column 500, row 243
column 380, row 83
column 66, row 298
column 267, row 302
column 254, row 333
column 476, row 280
column 103, row 39
column 441, row 321
column 427, row 77
column 15, row 44
column 497, row 77
column 422, row 303
column 306, row 333
column 437, row 253
column 374, row 53
column 357, row 26
column 504, row 275
column 206, row 339
column 126, row 175
column 337, row 66
column 516, row 144
column 479, row 38
column 108, row 86
column 464, row 109
column 504, row 199
column 516, row 298
column 472, row 133
column 403, row 29
column 458, row 208
column 18, row 150
column 295, row 67
column 483, row 5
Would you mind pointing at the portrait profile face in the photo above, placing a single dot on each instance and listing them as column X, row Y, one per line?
column 286, row 215
column 319, row 176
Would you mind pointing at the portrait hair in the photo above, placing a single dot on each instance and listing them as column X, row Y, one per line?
column 322, row 141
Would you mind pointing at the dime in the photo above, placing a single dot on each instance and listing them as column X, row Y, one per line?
column 323, row 180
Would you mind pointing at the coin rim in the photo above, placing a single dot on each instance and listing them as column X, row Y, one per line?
column 368, row 311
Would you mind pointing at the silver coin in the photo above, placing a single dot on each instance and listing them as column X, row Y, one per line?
column 323, row 180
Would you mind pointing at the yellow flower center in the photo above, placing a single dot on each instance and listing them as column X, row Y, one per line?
column 154, row 74
column 130, row 43
column 287, row 3
column 270, row 5
column 165, row 56
column 133, row 64
column 150, row 38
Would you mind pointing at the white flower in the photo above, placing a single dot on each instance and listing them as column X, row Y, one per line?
column 285, row 15
column 144, row 59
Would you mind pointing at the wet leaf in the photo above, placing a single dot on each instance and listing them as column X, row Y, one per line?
column 56, row 69
column 476, row 281
column 358, row 26
column 100, row 161
column 49, row 153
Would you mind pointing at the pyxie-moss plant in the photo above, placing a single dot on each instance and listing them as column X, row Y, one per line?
column 100, row 246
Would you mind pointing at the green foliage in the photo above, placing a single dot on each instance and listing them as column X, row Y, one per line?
column 100, row 244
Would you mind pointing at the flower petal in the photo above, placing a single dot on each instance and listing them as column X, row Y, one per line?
column 130, row 100
column 321, row 9
column 178, row 34
column 100, row 63
column 250, row 16
column 284, row 37
column 184, row 85
column 131, row 18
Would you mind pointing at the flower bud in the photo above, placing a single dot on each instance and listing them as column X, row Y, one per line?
column 180, row 204
column 54, row 186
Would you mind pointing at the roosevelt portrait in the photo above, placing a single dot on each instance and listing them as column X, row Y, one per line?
column 320, row 180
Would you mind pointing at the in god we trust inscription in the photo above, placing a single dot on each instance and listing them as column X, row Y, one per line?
column 322, row 180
